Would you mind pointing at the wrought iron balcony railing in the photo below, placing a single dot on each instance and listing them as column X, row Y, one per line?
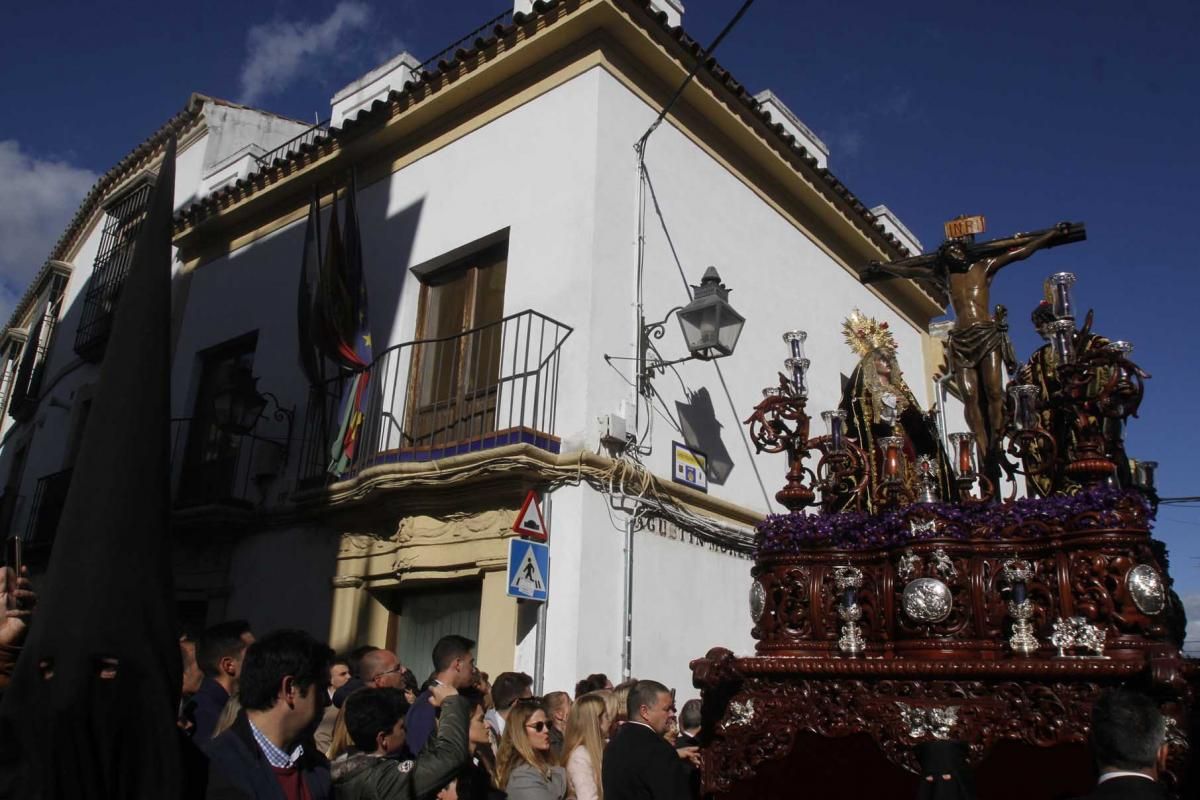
column 428, row 399
column 282, row 151
column 213, row 466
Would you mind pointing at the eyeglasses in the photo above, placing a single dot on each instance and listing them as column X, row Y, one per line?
column 527, row 702
column 538, row 726
column 392, row 671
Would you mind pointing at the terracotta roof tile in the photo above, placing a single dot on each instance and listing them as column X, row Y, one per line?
column 466, row 60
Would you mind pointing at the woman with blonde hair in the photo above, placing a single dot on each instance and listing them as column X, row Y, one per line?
column 229, row 715
column 584, row 745
column 524, row 765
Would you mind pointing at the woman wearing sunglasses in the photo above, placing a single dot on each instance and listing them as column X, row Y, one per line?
column 524, row 766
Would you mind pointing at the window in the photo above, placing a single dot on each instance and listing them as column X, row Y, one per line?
column 456, row 362
column 10, row 359
column 122, row 223
column 212, row 453
column 27, row 380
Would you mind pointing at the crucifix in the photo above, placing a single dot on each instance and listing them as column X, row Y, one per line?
column 978, row 348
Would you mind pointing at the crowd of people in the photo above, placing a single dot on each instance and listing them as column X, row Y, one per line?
column 283, row 716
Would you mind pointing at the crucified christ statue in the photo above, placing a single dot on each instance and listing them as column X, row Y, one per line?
column 978, row 348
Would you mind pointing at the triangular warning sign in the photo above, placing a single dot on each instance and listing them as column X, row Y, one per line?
column 528, row 579
column 530, row 523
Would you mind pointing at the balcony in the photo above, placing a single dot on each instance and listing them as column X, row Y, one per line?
column 488, row 387
column 48, row 500
column 215, row 467
column 295, row 144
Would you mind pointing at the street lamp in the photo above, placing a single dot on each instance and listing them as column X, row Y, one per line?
column 710, row 327
column 238, row 405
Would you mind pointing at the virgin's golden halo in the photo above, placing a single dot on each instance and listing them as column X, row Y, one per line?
column 864, row 334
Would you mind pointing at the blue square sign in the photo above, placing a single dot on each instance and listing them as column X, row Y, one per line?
column 528, row 570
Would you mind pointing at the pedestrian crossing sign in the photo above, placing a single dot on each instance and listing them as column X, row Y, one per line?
column 528, row 570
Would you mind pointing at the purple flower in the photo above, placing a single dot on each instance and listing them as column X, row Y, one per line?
column 1029, row 517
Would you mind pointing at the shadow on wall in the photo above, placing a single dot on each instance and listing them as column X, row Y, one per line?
column 702, row 431
column 387, row 254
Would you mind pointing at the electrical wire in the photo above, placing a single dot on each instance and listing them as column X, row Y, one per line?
column 721, row 375
column 704, row 56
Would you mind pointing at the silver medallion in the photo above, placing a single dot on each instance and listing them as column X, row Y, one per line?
column 927, row 600
column 758, row 600
column 1146, row 588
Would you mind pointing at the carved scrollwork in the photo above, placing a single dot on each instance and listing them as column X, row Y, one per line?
column 897, row 714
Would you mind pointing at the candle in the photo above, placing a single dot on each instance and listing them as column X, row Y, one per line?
column 835, row 426
column 795, row 342
column 1060, row 294
column 799, row 368
column 1024, row 398
column 1019, row 592
column 891, row 452
column 963, row 445
column 1145, row 473
column 1062, row 333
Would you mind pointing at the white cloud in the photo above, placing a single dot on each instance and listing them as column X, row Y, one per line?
column 37, row 199
column 278, row 52
column 1191, row 606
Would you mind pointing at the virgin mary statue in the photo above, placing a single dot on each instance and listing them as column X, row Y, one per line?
column 878, row 403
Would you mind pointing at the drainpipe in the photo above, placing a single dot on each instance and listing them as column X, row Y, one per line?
column 627, row 616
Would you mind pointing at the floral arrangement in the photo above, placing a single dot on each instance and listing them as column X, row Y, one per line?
column 1031, row 517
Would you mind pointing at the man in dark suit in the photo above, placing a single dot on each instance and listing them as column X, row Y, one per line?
column 1129, row 745
column 269, row 753
column 639, row 764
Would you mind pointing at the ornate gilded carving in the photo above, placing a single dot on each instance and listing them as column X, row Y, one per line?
column 896, row 714
column 1075, row 632
column 1145, row 586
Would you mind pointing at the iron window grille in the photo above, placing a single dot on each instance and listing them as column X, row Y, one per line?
column 21, row 393
column 122, row 223
column 10, row 359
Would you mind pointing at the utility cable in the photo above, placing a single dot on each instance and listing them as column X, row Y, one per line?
column 688, row 290
column 700, row 61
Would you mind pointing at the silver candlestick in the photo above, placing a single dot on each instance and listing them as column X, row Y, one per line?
column 1018, row 571
column 848, row 581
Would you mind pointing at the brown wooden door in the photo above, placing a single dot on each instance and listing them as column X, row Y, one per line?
column 456, row 363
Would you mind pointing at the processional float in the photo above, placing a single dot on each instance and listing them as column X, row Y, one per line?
column 908, row 599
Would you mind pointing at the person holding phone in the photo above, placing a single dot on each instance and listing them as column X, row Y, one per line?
column 17, row 599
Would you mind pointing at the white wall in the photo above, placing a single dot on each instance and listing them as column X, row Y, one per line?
column 559, row 173
column 780, row 280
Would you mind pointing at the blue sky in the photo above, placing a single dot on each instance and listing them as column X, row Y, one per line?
column 1029, row 113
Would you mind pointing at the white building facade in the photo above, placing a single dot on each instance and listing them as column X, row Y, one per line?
column 506, row 225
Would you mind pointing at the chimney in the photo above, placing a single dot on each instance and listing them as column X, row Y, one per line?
column 373, row 86
column 893, row 225
column 672, row 8
column 783, row 115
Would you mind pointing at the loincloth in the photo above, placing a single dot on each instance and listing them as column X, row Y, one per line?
column 968, row 346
